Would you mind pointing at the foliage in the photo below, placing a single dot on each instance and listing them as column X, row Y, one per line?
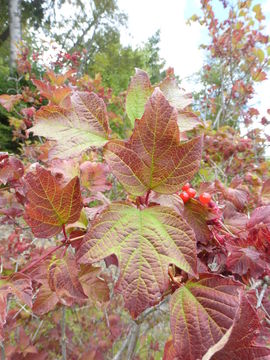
column 123, row 230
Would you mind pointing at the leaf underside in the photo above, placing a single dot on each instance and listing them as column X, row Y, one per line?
column 82, row 126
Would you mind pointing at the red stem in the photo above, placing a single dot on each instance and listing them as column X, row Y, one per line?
column 147, row 197
column 64, row 232
column 37, row 261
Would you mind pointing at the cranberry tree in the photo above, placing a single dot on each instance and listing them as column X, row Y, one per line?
column 107, row 220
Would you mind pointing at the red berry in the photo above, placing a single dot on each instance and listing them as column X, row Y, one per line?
column 191, row 192
column 186, row 187
column 205, row 198
column 184, row 196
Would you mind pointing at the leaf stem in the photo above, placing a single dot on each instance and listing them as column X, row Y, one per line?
column 147, row 197
column 37, row 261
column 64, row 232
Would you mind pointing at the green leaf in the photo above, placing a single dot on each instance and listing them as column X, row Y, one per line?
column 138, row 93
column 145, row 243
column 75, row 129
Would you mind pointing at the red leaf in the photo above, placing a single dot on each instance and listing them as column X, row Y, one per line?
column 153, row 157
column 19, row 285
column 239, row 342
column 93, row 176
column 49, row 206
column 46, row 300
column 11, row 169
column 197, row 215
column 93, row 285
column 63, row 280
column 169, row 351
column 8, row 101
column 56, row 95
column 201, row 313
column 265, row 192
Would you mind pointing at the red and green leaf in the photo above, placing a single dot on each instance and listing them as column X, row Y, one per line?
column 153, row 157
column 75, row 130
column 145, row 243
column 48, row 205
column 138, row 92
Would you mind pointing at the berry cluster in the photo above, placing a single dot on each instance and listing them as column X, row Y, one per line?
column 188, row 192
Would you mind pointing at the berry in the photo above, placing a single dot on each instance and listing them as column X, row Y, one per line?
column 205, row 198
column 186, row 187
column 191, row 192
column 184, row 196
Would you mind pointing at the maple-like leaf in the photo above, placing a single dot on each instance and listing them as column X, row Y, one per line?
column 11, row 168
column 237, row 196
column 75, row 130
column 153, row 157
column 19, row 285
column 48, row 205
column 145, row 243
column 265, row 192
column 55, row 95
column 201, row 312
column 45, row 301
column 63, row 280
column 197, row 215
column 243, row 258
column 138, row 93
column 93, row 285
column 178, row 98
column 9, row 101
column 239, row 342
column 59, row 79
column 93, row 176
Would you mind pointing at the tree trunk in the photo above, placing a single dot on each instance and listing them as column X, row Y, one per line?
column 15, row 31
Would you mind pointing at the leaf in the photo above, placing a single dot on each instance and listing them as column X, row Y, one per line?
column 179, row 99
column 240, row 342
column 11, row 169
column 196, row 216
column 201, row 312
column 19, row 285
column 145, row 243
column 55, row 95
column 243, row 258
column 46, row 300
column 9, row 101
column 63, row 280
column 48, row 205
column 59, row 79
column 176, row 97
column 238, row 196
column 265, row 192
column 93, row 285
column 169, row 351
column 93, row 176
column 258, row 12
column 260, row 215
column 138, row 93
column 153, row 157
column 75, row 130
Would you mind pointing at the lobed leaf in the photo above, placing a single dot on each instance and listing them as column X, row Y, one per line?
column 138, row 92
column 240, row 344
column 153, row 157
column 19, row 285
column 201, row 312
column 145, row 243
column 64, row 281
column 48, row 205
column 75, row 130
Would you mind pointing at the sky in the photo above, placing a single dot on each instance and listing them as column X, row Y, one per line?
column 179, row 44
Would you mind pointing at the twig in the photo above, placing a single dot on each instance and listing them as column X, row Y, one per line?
column 3, row 353
column 133, row 338
column 63, row 331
